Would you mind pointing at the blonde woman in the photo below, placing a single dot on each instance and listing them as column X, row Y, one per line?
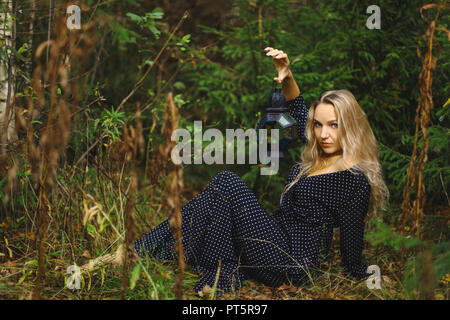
column 226, row 232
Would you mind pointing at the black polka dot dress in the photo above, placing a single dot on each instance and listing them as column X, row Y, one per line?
column 227, row 232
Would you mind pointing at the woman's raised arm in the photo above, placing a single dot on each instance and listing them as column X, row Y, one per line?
column 294, row 101
column 290, row 88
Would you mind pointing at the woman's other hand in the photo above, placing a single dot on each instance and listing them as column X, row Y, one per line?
column 281, row 61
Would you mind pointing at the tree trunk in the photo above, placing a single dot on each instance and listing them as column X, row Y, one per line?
column 29, row 63
column 7, row 73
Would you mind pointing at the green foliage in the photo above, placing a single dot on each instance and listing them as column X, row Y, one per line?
column 330, row 48
column 111, row 122
column 384, row 234
column 441, row 254
column 412, row 277
column 148, row 20
column 251, row 176
column 122, row 36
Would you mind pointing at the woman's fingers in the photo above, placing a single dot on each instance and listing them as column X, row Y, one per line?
column 281, row 62
column 276, row 54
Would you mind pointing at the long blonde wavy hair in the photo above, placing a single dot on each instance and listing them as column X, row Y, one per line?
column 359, row 148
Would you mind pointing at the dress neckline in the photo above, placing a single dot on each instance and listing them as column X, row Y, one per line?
column 328, row 173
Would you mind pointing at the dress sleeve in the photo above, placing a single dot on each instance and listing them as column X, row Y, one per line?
column 352, row 231
column 293, row 174
column 299, row 110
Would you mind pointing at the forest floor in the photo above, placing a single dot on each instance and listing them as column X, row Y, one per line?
column 101, row 234
column 17, row 280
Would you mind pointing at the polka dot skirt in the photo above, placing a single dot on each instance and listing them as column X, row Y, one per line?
column 225, row 223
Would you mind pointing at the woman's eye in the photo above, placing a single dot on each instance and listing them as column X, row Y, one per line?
column 334, row 125
column 316, row 124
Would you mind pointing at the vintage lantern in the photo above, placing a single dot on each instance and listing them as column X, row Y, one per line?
column 277, row 117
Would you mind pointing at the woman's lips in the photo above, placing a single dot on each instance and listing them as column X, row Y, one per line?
column 326, row 144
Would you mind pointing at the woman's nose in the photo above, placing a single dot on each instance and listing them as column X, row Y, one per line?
column 324, row 133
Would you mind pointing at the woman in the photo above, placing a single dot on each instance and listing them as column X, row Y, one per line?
column 226, row 230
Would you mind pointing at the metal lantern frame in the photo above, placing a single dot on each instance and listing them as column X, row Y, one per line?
column 277, row 113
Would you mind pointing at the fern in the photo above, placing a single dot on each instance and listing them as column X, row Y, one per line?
column 385, row 235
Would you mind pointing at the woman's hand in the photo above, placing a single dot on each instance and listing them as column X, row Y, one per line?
column 281, row 61
column 289, row 86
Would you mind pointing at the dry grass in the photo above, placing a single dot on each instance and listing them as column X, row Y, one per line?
column 99, row 231
column 17, row 282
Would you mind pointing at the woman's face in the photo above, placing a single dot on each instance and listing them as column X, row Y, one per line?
column 326, row 128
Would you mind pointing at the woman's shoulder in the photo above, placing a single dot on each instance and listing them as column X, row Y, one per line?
column 358, row 177
column 295, row 170
column 296, row 166
column 297, row 100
